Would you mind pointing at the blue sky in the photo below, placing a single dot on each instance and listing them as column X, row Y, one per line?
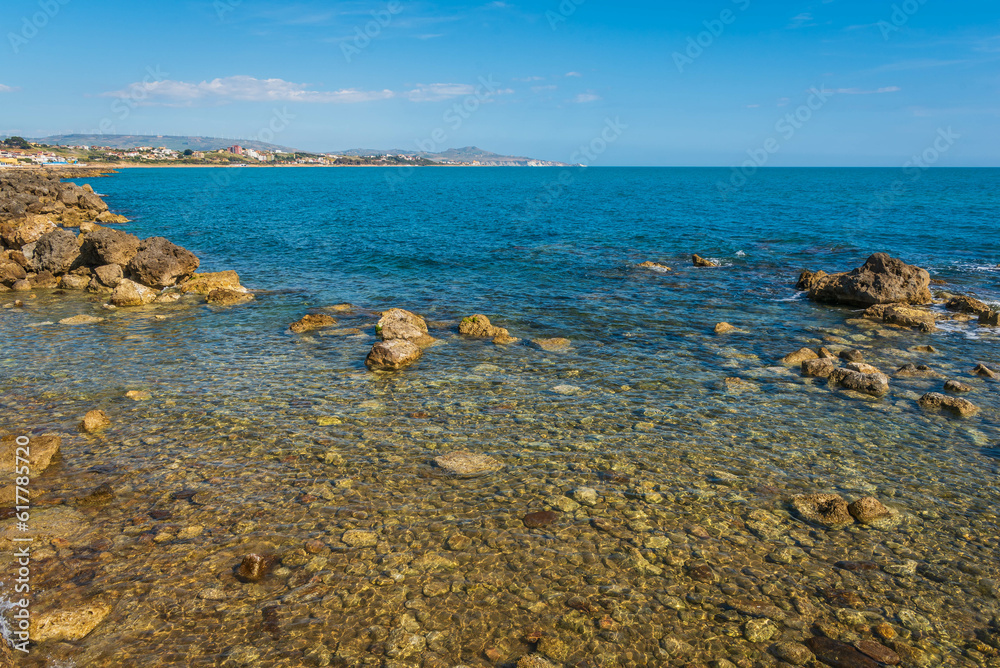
column 717, row 82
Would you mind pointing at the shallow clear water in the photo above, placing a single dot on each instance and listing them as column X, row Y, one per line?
column 288, row 438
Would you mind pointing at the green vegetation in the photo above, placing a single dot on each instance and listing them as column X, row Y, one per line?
column 17, row 142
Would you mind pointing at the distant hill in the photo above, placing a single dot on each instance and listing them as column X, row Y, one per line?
column 172, row 142
column 466, row 155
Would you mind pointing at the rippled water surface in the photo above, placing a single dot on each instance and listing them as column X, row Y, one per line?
column 260, row 440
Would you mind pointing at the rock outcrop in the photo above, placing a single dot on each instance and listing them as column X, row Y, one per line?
column 392, row 355
column 160, row 263
column 699, row 261
column 107, row 246
column 399, row 324
column 881, row 280
column 56, row 252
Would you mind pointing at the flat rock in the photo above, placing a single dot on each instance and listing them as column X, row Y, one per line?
column 67, row 624
column 956, row 405
column 539, row 519
column 838, row 654
column 878, row 651
column 566, row 389
column 311, row 322
column 204, row 283
column 656, row 266
column 957, row 387
column 359, row 538
column 468, row 464
column 392, row 355
column 554, row 345
column 81, row 320
column 227, row 297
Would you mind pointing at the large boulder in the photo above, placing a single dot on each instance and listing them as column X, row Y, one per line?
column 31, row 231
column 92, row 203
column 399, row 324
column 110, row 275
column 392, row 355
column 56, row 252
column 11, row 272
column 881, row 280
column 130, row 293
column 160, row 263
column 106, row 246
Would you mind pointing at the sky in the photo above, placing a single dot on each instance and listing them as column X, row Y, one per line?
column 706, row 83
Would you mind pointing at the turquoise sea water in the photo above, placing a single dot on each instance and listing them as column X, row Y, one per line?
column 290, row 439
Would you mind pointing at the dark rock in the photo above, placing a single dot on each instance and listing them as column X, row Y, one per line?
column 838, row 654
column 878, row 651
column 109, row 275
column 312, row 321
column 809, row 279
column 875, row 384
column 11, row 272
column 226, row 297
column 159, row 263
column 852, row 356
column 857, row 566
column 540, row 519
column 990, row 318
column 392, row 355
column 56, row 252
column 985, row 371
column 106, row 246
column 958, row 406
column 760, row 609
column 966, row 304
column 821, row 368
column 881, row 280
column 98, row 496
column 44, row 279
column 255, row 567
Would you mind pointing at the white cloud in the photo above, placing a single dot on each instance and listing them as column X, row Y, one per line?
column 573, row 74
column 859, row 91
column 529, row 78
column 584, row 98
column 249, row 89
column 803, row 19
column 8, row 89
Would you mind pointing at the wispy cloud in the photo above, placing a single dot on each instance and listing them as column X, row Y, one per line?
column 529, row 78
column 802, row 20
column 584, row 98
column 8, row 89
column 573, row 74
column 249, row 89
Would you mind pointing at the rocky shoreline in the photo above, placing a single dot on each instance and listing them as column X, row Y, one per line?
column 821, row 578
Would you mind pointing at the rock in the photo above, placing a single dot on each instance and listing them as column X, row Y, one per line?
column 109, row 274
column 825, row 353
column 852, row 356
column 699, row 261
column 104, row 246
column 533, row 661
column 759, row 630
column 985, row 371
column 799, row 356
column 819, row 368
column 566, row 389
column 881, row 280
column 957, row 387
column 904, row 316
column 868, row 510
column 764, row 524
column 40, row 452
column 794, row 653
column 965, row 304
column 21, row 286
column 838, row 654
column 56, row 252
column 138, row 395
column 757, row 609
column 95, row 421
column 914, row 370
column 829, row 510
column 503, row 339
column 255, row 567
column 227, row 297
column 990, row 318
column 539, row 519
column 556, row 345
column 479, row 326
column 392, row 355
column 30, row 231
column 937, row 401
column 656, row 266
column 724, row 328
column 878, row 651
column 11, row 272
column 43, row 279
column 204, row 283
column 160, row 264
column 861, row 367
column 130, row 293
column 359, row 538
column 311, row 322
column 875, row 384
column 81, row 320
column 69, row 625
column 399, row 324
column 463, row 463
column 73, row 282
column 586, row 495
